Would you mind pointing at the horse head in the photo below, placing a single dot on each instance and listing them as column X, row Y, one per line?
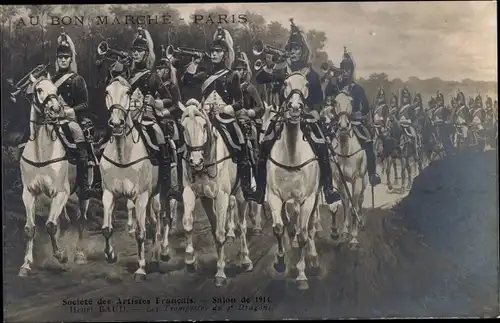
column 296, row 92
column 45, row 97
column 118, row 94
column 197, row 134
column 343, row 112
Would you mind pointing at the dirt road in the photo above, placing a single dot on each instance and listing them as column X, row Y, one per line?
column 393, row 273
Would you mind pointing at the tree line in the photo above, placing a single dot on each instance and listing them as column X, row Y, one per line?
column 25, row 46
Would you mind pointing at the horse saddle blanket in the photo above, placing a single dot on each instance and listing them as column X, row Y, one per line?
column 309, row 127
column 65, row 135
column 230, row 132
column 362, row 132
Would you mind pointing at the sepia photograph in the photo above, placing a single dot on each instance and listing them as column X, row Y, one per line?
column 250, row 161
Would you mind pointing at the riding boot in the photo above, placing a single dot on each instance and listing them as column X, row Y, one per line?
column 164, row 172
column 177, row 186
column 371, row 164
column 245, row 172
column 326, row 177
column 83, row 170
column 261, row 174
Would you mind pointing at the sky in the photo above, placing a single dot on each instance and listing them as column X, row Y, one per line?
column 452, row 40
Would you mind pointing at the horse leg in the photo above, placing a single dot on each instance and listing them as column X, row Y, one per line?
column 304, row 223
column 245, row 261
column 276, row 207
column 334, row 211
column 108, row 204
column 408, row 169
column 404, row 161
column 29, row 231
column 388, row 172
column 395, row 168
column 312, row 252
column 141, row 205
column 56, row 206
column 345, row 207
column 230, row 218
column 80, row 258
column 167, row 226
column 257, row 216
column 189, row 199
column 131, row 216
column 156, row 217
column 353, row 209
column 218, row 213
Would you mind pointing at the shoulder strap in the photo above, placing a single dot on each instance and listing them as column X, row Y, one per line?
column 212, row 79
column 137, row 77
column 63, row 79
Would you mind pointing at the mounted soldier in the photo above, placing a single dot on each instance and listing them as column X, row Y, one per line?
column 222, row 98
column 250, row 117
column 441, row 120
column 461, row 117
column 381, row 111
column 407, row 117
column 478, row 114
column 73, row 96
column 170, row 94
column 419, row 113
column 296, row 58
column 145, row 86
column 361, row 111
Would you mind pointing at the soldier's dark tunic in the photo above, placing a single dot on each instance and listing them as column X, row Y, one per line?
column 74, row 93
column 191, row 88
column 147, row 83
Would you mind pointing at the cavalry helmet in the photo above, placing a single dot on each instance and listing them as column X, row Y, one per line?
column 460, row 98
column 144, row 42
column 222, row 40
column 347, row 61
column 297, row 38
column 242, row 61
column 66, row 47
column 406, row 94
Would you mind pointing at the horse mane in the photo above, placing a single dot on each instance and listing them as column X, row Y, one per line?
column 193, row 110
column 120, row 79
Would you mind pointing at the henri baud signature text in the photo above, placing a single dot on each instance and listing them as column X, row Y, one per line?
column 160, row 19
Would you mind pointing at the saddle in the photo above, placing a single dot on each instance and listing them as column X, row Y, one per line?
column 231, row 134
column 149, row 135
column 309, row 126
column 64, row 134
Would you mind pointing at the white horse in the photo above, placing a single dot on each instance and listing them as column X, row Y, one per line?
column 45, row 169
column 293, row 178
column 210, row 174
column 127, row 171
column 352, row 160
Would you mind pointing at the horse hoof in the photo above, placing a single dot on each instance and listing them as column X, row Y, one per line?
column 353, row 245
column 280, row 266
column 315, row 270
column 257, row 232
column 191, row 267
column 80, row 259
column 335, row 236
column 111, row 258
column 247, row 266
column 61, row 257
column 220, row 281
column 165, row 257
column 24, row 272
column 230, row 238
column 302, row 285
column 139, row 277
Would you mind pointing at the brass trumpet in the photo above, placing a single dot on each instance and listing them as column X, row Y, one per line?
column 184, row 51
column 259, row 48
column 25, row 81
column 103, row 49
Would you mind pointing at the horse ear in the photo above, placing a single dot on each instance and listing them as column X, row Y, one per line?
column 306, row 92
column 48, row 76
column 32, row 78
